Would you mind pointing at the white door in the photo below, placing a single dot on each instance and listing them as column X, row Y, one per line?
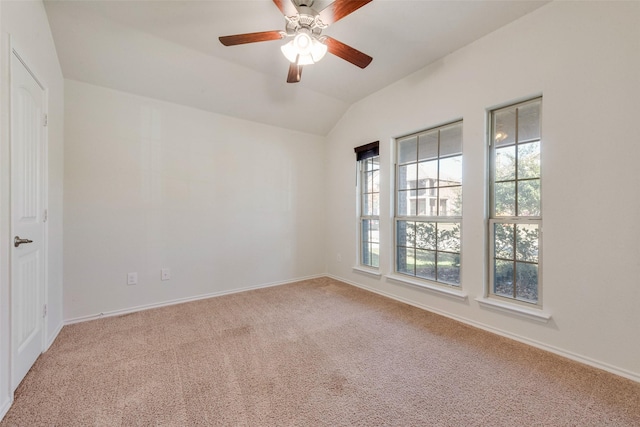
column 27, row 219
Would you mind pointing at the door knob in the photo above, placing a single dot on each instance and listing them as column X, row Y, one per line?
column 17, row 241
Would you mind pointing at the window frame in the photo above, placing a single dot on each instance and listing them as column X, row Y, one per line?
column 437, row 219
column 516, row 219
column 365, row 154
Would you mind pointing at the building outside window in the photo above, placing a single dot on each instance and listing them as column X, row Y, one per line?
column 515, row 221
column 369, row 204
column 429, row 204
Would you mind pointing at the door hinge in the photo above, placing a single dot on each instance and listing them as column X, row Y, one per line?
column 46, row 120
column 45, row 215
column 44, row 310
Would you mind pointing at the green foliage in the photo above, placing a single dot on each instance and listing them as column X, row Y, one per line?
column 515, row 268
column 421, row 250
column 527, row 165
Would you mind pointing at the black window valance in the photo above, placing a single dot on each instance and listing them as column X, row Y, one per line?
column 368, row 150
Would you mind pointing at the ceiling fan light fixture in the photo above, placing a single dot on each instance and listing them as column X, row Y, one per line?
column 305, row 25
column 305, row 48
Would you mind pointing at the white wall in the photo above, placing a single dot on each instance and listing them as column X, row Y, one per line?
column 226, row 204
column 584, row 58
column 28, row 26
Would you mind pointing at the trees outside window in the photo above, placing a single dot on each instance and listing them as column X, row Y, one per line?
column 515, row 222
column 369, row 204
column 370, row 212
column 429, row 204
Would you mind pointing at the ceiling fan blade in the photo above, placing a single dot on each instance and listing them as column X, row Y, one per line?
column 262, row 36
column 286, row 7
column 295, row 73
column 339, row 9
column 346, row 52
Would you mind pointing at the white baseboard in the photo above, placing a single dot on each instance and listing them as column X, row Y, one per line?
column 552, row 349
column 4, row 408
column 183, row 300
column 53, row 336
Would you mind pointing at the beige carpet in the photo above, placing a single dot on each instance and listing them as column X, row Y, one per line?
column 313, row 353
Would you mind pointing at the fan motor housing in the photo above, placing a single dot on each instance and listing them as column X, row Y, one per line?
column 307, row 18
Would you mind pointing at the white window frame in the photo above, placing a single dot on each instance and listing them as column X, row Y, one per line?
column 515, row 219
column 447, row 287
column 370, row 152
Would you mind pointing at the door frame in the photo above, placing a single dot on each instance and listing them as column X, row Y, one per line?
column 15, row 55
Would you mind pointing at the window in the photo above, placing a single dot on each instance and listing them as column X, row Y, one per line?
column 429, row 204
column 369, row 204
column 515, row 221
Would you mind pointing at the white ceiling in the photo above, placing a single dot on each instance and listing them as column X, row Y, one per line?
column 169, row 50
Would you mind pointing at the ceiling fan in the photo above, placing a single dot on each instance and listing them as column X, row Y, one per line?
column 305, row 25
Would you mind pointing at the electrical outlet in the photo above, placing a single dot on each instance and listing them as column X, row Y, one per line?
column 132, row 278
column 339, row 257
column 165, row 274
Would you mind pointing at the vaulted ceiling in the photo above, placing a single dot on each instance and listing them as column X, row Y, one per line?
column 169, row 50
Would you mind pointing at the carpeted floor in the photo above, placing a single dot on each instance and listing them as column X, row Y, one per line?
column 313, row 353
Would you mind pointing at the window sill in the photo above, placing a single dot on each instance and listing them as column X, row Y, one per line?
column 534, row 314
column 425, row 285
column 369, row 271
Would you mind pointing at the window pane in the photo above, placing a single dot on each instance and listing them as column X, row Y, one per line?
column 503, row 278
column 370, row 230
column 503, row 241
column 406, row 202
column 451, row 140
column 407, row 177
column 505, row 198
column 450, row 201
column 449, row 268
column 366, row 233
column 527, row 282
column 375, row 204
column 529, row 198
column 428, row 173
column 375, row 255
column 366, row 182
column 405, row 260
column 504, row 127
column 449, row 237
column 422, row 204
column 515, row 169
column 428, row 145
column 366, row 253
column 529, row 160
column 429, row 185
column 433, row 202
column 426, row 235
column 370, row 207
column 366, row 204
column 405, row 233
column 529, row 122
column 371, row 182
column 426, row 264
column 408, row 150
column 374, row 163
column 450, row 171
column 527, row 242
column 374, row 231
column 505, row 167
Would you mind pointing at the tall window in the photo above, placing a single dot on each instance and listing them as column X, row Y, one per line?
column 515, row 218
column 429, row 204
column 369, row 203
